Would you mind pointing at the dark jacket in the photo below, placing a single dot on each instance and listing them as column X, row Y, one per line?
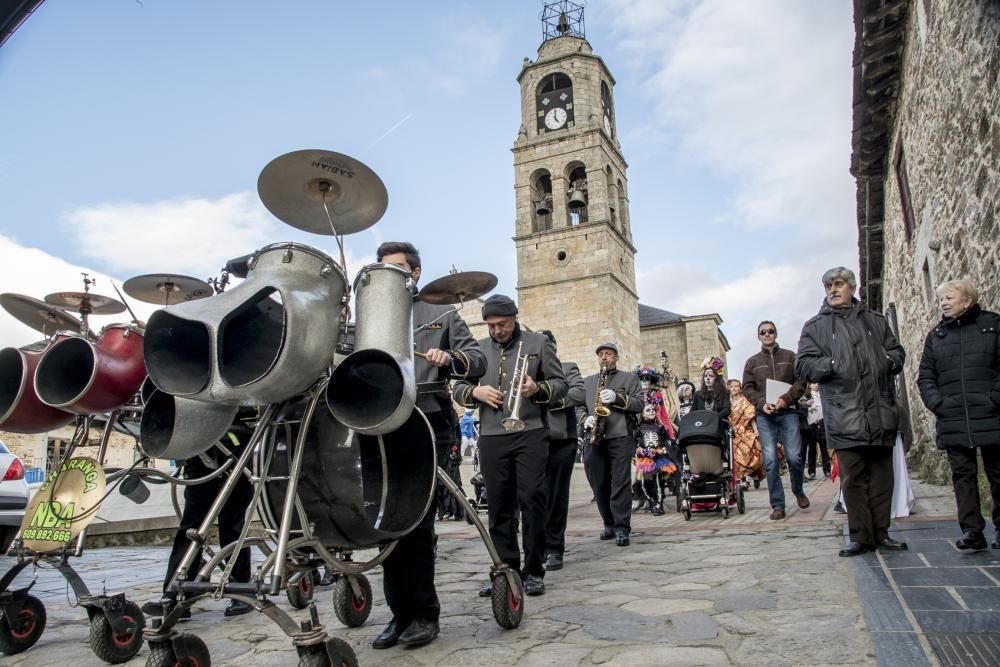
column 723, row 404
column 777, row 364
column 449, row 333
column 959, row 379
column 854, row 355
column 628, row 401
column 562, row 412
column 542, row 365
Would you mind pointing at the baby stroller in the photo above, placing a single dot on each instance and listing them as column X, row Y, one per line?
column 478, row 499
column 707, row 481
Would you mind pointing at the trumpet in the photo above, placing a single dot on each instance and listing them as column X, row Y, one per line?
column 514, row 423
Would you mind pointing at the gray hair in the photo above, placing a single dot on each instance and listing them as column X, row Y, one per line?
column 965, row 288
column 840, row 273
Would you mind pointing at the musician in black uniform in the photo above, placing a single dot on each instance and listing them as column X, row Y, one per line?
column 450, row 353
column 562, row 455
column 513, row 462
column 610, row 457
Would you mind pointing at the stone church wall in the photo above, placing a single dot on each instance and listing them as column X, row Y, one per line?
column 948, row 123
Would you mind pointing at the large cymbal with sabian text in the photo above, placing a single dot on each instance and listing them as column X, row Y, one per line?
column 166, row 289
column 294, row 187
column 458, row 287
column 38, row 315
column 86, row 302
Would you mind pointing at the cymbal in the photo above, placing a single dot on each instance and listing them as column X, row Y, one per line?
column 458, row 287
column 293, row 187
column 38, row 315
column 165, row 289
column 94, row 304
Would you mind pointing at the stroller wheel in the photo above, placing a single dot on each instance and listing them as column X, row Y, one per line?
column 741, row 503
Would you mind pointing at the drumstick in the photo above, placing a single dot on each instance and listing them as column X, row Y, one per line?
column 134, row 318
column 420, row 354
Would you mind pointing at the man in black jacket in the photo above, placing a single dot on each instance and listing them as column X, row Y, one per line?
column 449, row 352
column 513, row 458
column 851, row 352
column 610, row 458
column 562, row 455
column 959, row 382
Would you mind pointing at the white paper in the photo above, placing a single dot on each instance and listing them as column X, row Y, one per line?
column 774, row 390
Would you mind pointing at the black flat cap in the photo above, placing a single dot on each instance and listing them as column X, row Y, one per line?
column 500, row 305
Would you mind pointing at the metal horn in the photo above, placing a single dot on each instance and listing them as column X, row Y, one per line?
column 512, row 402
column 373, row 390
column 179, row 428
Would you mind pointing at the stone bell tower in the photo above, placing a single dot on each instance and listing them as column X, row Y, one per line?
column 575, row 258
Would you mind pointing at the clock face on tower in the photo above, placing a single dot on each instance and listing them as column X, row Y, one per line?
column 555, row 118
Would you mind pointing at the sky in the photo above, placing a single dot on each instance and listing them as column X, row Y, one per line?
column 134, row 133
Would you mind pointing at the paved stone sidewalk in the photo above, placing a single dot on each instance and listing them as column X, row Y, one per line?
column 709, row 591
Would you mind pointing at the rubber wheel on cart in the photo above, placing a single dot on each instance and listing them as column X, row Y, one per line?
column 300, row 594
column 507, row 610
column 115, row 648
column 725, row 509
column 352, row 611
column 741, row 501
column 334, row 653
column 687, row 513
column 21, row 633
column 162, row 654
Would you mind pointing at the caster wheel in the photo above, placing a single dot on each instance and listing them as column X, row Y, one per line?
column 725, row 509
column 184, row 650
column 20, row 632
column 350, row 610
column 507, row 610
column 300, row 594
column 687, row 513
column 115, row 648
column 333, row 653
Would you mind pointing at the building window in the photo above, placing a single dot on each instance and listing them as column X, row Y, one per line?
column 903, row 183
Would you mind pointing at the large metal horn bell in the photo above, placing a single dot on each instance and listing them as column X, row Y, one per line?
column 374, row 389
column 180, row 428
column 20, row 409
column 263, row 341
column 357, row 491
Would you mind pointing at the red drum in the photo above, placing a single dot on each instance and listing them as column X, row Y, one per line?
column 88, row 377
column 20, row 409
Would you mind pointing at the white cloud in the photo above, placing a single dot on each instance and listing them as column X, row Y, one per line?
column 193, row 236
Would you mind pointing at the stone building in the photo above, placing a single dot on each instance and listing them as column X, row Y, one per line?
column 926, row 156
column 575, row 253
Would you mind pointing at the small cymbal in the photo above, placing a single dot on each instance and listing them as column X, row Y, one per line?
column 165, row 289
column 293, row 187
column 94, row 304
column 458, row 287
column 38, row 315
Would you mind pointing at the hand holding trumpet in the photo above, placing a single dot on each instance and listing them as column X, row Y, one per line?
column 494, row 398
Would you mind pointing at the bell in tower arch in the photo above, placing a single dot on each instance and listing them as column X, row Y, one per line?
column 577, row 196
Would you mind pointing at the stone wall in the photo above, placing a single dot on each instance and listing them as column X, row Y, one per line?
column 32, row 448
column 948, row 125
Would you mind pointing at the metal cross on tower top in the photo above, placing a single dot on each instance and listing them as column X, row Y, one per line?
column 562, row 18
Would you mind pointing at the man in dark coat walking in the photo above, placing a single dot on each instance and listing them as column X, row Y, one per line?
column 852, row 353
column 959, row 382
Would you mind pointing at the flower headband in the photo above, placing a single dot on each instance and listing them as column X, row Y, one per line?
column 717, row 365
column 647, row 373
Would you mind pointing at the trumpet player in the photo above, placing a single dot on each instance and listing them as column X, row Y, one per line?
column 514, row 435
column 612, row 400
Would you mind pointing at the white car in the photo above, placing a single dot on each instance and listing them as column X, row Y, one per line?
column 13, row 496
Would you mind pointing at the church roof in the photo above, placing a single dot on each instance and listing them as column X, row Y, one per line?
column 650, row 317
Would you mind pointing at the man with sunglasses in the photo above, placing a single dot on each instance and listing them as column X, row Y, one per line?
column 777, row 421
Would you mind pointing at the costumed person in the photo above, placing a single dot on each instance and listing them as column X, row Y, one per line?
column 653, row 394
column 513, row 461
column 448, row 507
column 449, row 352
column 713, row 395
column 748, row 465
column 685, row 398
column 653, row 463
column 613, row 398
column 470, row 433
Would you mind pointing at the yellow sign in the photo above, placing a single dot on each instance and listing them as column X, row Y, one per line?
column 63, row 505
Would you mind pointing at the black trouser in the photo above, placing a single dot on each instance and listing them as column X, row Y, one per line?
column 812, row 442
column 514, row 469
column 965, row 479
column 610, row 465
column 867, row 481
column 558, row 472
column 408, row 572
column 198, row 499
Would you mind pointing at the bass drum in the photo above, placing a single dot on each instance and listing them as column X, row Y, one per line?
column 357, row 491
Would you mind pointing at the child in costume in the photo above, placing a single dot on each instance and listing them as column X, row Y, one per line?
column 653, row 463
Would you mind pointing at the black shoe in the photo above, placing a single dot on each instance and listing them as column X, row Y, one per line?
column 756, row 484
column 971, row 540
column 419, row 632
column 593, row 499
column 854, row 549
column 329, row 578
column 621, row 538
column 811, row 477
column 534, row 585
column 889, row 544
column 607, row 533
column 237, row 608
column 158, row 607
column 658, row 510
column 553, row 561
column 388, row 637
column 839, row 508
column 486, row 591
